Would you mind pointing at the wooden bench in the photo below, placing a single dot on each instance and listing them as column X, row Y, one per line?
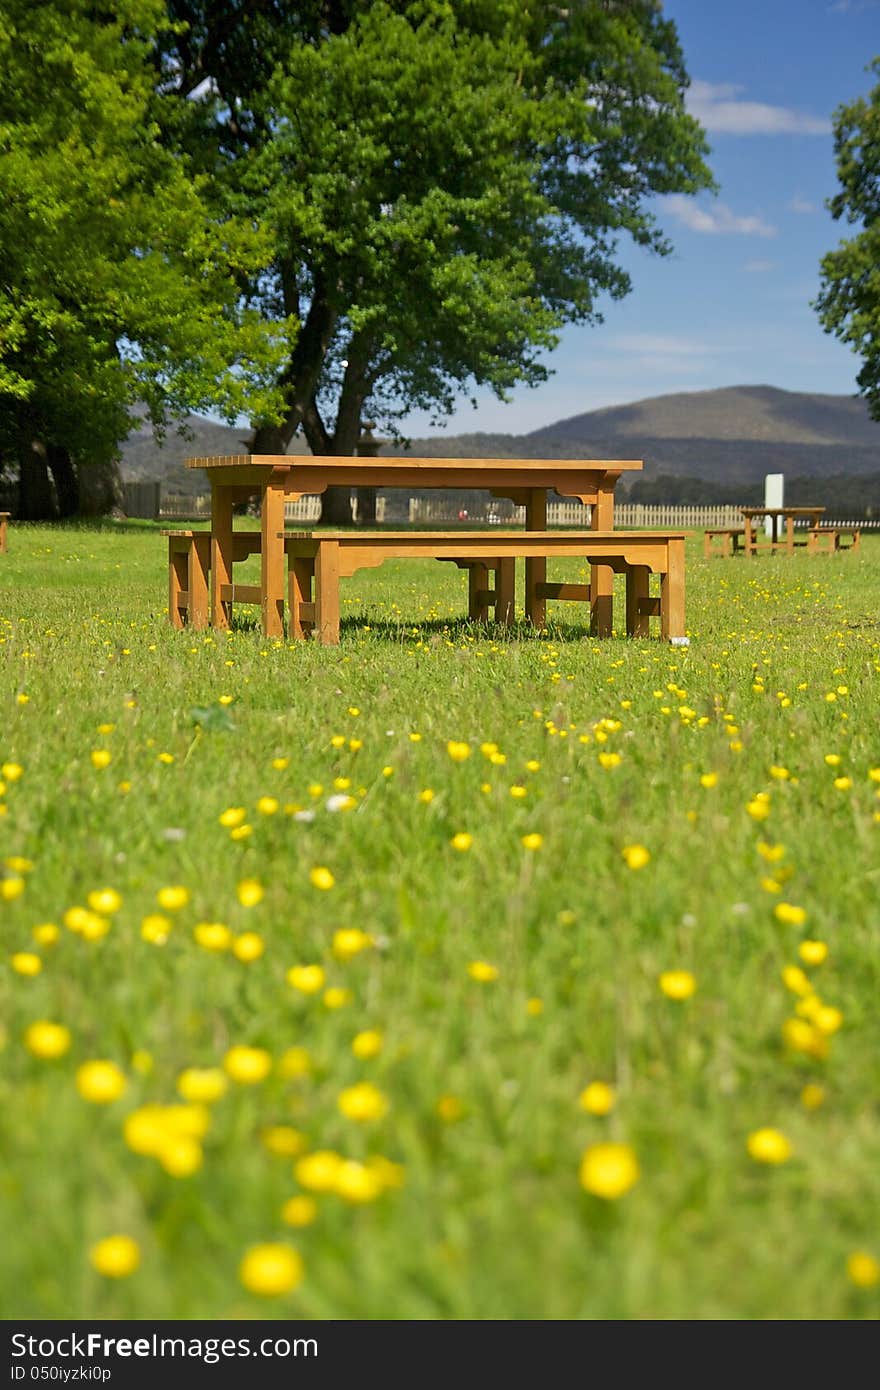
column 189, row 559
column 730, row 537
column 318, row 560
column 826, row 540
column 4, row 518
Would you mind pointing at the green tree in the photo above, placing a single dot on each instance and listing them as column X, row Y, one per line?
column 849, row 302
column 118, row 285
column 443, row 185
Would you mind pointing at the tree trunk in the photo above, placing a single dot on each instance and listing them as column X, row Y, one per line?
column 100, row 487
column 336, row 507
column 65, row 479
column 268, row 439
column 35, row 499
column 366, row 506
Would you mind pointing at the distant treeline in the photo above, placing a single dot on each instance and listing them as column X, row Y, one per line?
column 841, row 494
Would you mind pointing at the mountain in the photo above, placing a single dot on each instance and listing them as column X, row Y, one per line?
column 736, row 434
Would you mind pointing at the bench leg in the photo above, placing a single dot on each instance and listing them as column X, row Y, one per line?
column 638, row 579
column 601, row 600
column 672, row 593
column 707, row 545
column 505, row 591
column 272, row 561
column 177, row 582
column 197, row 580
column 301, row 575
column 478, row 586
column 2, row 535
column 327, row 593
column 221, row 555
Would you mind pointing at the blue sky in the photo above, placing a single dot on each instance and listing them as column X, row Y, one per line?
column 731, row 305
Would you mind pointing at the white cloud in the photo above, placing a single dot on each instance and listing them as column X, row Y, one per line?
column 759, row 267
column 719, row 221
column 799, row 204
column 657, row 343
column 718, row 107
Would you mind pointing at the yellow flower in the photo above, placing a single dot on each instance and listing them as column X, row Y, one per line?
column 11, row 772
column 26, row 963
column 247, row 1065
column 115, row 1256
column 482, row 971
column 336, row 997
column 249, row 892
column 11, row 888
column 843, row 784
column 636, row 856
column 532, row 841
column 155, row 928
column 173, row 897
column 534, row 1007
column 241, row 832
column 356, row 1182
column 609, row 1170
column 771, row 853
column 317, row 1171
column 283, row 1140
column 295, row 1062
column 812, row 1096
column 232, row 816
column 100, row 1082
column 780, row 774
column 248, row 946
column 202, row 1084
column 802, row 1036
column 458, row 752
column 863, row 1269
column 598, row 1098
column 709, row 779
column 45, row 934
column 180, row 1155
column 367, row 1043
column 363, row 1102
column 450, row 1109
column 271, row 1269
column 832, row 759
column 462, row 840
column 321, row 877
column 268, row 805
column 308, row 979
column 794, row 979
column 827, row 1019
column 213, row 936
column 426, row 796
column 349, row 942
column 813, row 952
column 789, row 914
column 47, row 1040
column 609, row 760
column 280, row 764
column 768, row 1146
column 101, row 757
column 759, row 808
column 299, row 1211
column 105, row 900
column 677, row 984
column 519, row 792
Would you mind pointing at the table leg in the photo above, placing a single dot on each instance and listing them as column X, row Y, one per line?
column 672, row 593
column 221, row 554
column 536, row 566
column 272, row 559
column 789, row 534
column 197, row 581
column 177, row 580
column 748, row 539
column 602, row 576
column 327, row 593
column 478, row 584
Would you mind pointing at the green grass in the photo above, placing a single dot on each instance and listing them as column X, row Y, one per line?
column 491, row 1220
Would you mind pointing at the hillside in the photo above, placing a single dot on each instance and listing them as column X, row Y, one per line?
column 733, row 435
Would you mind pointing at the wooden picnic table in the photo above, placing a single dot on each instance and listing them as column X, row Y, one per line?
column 788, row 515
column 279, row 478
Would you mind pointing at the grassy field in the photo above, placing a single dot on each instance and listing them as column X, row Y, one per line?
column 426, row 890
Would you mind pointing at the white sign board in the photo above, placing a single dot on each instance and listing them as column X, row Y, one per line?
column 773, row 490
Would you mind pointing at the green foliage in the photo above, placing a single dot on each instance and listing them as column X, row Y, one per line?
column 443, row 185
column 849, row 302
column 117, row 286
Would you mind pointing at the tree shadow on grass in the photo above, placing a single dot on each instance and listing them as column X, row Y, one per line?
column 437, row 630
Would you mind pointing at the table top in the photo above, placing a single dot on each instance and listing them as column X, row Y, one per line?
column 782, row 511
column 334, row 463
